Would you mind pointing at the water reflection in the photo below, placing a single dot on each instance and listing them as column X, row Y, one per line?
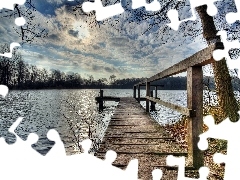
column 74, row 114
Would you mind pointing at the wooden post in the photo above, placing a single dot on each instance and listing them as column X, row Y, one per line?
column 134, row 92
column 156, row 92
column 195, row 123
column 139, row 95
column 101, row 100
column 147, row 94
column 101, row 93
column 152, row 107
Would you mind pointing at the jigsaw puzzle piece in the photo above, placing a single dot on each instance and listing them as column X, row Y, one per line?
column 153, row 6
column 215, row 131
column 233, row 147
column 20, row 148
column 233, row 17
column 9, row 137
column 231, row 169
column 9, row 4
column 20, row 157
column 157, row 174
column 3, row 90
column 103, row 169
column 173, row 14
column 58, row 149
column 180, row 162
column 12, row 46
column 228, row 45
column 20, row 21
column 43, row 145
column 101, row 11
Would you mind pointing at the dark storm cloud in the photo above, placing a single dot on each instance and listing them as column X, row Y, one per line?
column 109, row 70
column 73, row 33
column 53, row 37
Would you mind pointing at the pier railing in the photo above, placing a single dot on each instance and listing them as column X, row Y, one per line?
column 194, row 110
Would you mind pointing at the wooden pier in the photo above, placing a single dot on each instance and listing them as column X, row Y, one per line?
column 133, row 134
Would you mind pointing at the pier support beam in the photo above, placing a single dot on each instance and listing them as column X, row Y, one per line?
column 156, row 92
column 134, row 91
column 195, row 122
column 101, row 100
column 152, row 107
column 139, row 95
column 147, row 94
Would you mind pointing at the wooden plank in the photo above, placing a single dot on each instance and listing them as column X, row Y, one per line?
column 145, row 139
column 200, row 58
column 107, row 98
column 182, row 110
column 124, row 137
column 195, row 124
column 176, row 167
column 150, row 153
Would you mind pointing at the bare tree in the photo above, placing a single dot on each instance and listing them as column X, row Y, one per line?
column 224, row 89
column 112, row 78
column 31, row 30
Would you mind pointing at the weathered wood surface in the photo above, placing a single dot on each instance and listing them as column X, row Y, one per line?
column 200, row 58
column 182, row 110
column 195, row 123
column 133, row 134
column 107, row 98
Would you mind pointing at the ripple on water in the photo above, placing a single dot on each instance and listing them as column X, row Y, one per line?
column 71, row 112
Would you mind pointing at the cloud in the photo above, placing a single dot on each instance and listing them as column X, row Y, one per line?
column 73, row 33
column 121, row 45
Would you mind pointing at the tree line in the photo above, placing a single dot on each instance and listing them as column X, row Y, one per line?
column 17, row 74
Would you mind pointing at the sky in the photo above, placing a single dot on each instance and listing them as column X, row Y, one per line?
column 133, row 44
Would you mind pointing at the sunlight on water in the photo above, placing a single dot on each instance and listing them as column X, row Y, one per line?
column 74, row 113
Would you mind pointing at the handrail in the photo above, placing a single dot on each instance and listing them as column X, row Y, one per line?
column 201, row 58
column 194, row 110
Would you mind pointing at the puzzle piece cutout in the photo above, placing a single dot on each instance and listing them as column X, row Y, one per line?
column 9, row 137
column 116, row 9
column 56, row 164
column 180, row 162
column 219, row 54
column 231, row 134
column 12, row 46
column 173, row 13
column 233, row 17
column 157, row 174
column 19, row 21
column 9, row 4
column 3, row 90
column 102, row 12
column 153, row 6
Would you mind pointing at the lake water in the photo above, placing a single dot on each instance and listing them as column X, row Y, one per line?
column 73, row 113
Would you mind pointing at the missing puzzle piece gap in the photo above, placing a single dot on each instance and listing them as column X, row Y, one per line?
column 12, row 46
column 153, row 6
column 9, row 4
column 219, row 54
column 180, row 162
column 233, row 17
column 173, row 13
column 4, row 91
column 102, row 13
